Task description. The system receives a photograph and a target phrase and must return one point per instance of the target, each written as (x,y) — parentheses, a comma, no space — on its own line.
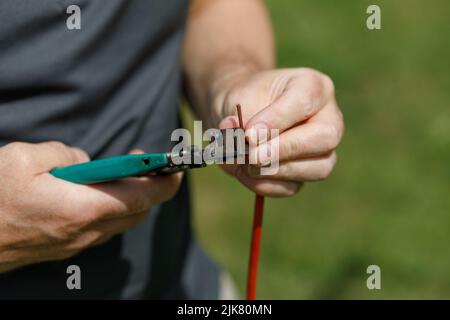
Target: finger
(303,96)
(112,227)
(104,231)
(229,122)
(96,234)
(23,256)
(136,151)
(53,154)
(91,203)
(319,136)
(134,195)
(304,170)
(267,187)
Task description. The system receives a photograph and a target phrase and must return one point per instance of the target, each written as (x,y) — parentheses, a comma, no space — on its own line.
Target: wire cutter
(134,165)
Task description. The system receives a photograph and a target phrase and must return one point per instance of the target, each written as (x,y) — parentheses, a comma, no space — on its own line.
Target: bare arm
(225,38)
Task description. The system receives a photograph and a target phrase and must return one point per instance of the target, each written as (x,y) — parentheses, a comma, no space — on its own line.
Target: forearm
(225,39)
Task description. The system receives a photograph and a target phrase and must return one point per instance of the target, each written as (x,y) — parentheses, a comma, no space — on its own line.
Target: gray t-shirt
(109,87)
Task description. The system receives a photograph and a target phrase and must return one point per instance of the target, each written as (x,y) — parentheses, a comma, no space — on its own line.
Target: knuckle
(308,72)
(310,92)
(328,83)
(62,149)
(17,146)
(290,148)
(327,168)
(286,150)
(331,137)
(314,76)
(307,103)
(235,95)
(18,152)
(56,144)
(59,233)
(319,79)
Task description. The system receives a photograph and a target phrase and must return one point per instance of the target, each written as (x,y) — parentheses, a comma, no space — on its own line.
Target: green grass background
(388,201)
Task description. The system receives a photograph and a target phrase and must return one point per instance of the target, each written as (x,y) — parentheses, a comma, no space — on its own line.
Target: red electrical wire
(254,248)
(256,235)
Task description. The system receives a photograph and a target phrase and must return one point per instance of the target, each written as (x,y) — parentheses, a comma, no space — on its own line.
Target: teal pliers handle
(114,168)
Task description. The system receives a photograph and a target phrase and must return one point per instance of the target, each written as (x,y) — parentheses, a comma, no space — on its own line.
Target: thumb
(53,154)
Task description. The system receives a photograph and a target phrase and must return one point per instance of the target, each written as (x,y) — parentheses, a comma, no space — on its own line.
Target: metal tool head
(227,146)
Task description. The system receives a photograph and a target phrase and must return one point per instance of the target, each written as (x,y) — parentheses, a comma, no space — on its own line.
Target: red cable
(256,234)
(255,246)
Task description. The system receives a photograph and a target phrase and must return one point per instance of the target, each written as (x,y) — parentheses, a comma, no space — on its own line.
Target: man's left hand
(301,104)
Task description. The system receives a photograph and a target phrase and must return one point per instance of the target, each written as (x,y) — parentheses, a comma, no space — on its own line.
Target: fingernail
(228,122)
(258,133)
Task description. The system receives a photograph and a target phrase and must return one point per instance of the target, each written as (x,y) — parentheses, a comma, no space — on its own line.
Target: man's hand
(228,58)
(301,104)
(43,218)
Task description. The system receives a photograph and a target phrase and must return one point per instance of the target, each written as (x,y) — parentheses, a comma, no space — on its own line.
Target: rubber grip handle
(110,169)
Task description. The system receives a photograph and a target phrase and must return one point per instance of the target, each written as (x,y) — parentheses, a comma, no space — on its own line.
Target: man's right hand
(43,218)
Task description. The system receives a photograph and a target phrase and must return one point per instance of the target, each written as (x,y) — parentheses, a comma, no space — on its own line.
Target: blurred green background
(388,201)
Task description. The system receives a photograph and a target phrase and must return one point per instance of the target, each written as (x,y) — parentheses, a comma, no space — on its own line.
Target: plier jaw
(192,156)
